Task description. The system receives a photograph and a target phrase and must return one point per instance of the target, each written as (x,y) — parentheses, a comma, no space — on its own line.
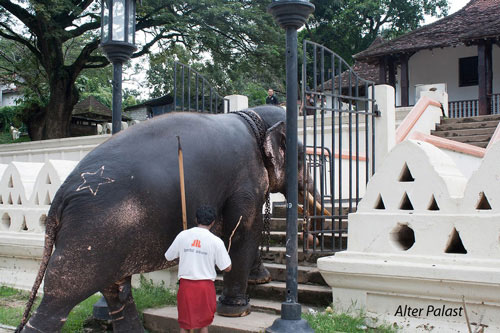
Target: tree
(61,38)
(350,26)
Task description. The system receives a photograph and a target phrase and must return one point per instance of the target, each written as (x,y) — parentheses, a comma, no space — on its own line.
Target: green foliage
(10,115)
(12,303)
(149,295)
(79,315)
(256,94)
(6,137)
(8,292)
(57,41)
(350,26)
(328,321)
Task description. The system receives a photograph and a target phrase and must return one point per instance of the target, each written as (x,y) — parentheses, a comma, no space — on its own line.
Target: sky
(454,6)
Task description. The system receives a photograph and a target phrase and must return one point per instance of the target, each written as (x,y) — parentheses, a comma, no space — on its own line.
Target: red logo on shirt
(196,243)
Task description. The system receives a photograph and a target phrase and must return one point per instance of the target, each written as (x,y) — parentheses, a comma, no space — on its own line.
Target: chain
(258,128)
(256,124)
(267,224)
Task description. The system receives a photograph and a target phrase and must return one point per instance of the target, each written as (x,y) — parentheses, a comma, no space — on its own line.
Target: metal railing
(193,92)
(341,105)
(470,108)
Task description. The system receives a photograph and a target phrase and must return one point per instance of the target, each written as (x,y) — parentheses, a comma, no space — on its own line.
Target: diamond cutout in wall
(19,201)
(483,203)
(405,175)
(380,203)
(48,181)
(24,227)
(433,205)
(10,202)
(455,244)
(406,203)
(11,182)
(1,200)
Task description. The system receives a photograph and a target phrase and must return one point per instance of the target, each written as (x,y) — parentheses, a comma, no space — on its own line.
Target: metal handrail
(203,90)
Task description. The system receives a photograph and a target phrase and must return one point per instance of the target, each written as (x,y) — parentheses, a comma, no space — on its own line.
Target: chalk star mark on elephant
(93,180)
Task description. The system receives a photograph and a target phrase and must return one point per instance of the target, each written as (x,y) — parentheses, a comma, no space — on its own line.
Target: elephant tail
(50,237)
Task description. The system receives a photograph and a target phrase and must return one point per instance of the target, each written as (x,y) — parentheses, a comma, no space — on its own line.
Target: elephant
(120,208)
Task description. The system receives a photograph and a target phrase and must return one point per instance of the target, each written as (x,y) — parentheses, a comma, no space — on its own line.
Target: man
(271,98)
(198,251)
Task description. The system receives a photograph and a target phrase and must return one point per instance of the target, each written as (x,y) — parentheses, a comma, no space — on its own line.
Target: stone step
(481,144)
(471,125)
(279,224)
(464,132)
(470,119)
(164,320)
(277,255)
(264,312)
(278,238)
(305,274)
(471,138)
(308,294)
(279,210)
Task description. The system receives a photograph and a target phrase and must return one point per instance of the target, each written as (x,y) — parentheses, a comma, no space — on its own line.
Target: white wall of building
(441,66)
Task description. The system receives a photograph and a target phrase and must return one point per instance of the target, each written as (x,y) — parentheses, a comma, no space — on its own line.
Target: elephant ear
(274,150)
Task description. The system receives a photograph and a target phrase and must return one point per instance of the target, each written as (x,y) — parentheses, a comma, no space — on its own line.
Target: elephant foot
(259,275)
(233,307)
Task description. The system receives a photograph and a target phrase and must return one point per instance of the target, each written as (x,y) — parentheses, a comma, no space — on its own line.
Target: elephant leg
(64,287)
(122,308)
(258,273)
(234,301)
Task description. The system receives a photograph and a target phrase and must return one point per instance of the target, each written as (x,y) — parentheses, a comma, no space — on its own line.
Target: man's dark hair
(205,215)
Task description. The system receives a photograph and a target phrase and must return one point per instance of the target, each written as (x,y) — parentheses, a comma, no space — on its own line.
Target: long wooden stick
(183,190)
(232,234)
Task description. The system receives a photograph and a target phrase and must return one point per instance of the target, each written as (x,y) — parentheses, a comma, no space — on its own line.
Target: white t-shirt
(198,251)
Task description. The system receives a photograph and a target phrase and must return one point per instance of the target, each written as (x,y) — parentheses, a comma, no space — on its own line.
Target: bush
(10,115)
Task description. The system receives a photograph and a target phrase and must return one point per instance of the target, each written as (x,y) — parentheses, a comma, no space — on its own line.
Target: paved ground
(165,320)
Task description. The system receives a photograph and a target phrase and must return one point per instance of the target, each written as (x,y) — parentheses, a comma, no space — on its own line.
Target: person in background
(271,97)
(198,251)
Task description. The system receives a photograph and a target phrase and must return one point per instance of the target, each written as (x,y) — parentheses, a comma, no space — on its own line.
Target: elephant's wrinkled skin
(120,209)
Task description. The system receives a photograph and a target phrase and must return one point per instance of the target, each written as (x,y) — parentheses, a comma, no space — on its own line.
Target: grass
(148,295)
(329,321)
(6,137)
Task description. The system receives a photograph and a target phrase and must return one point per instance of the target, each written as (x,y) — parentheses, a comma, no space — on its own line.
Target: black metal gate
(339,145)
(193,92)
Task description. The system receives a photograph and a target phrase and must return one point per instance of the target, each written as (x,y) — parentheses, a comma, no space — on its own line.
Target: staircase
(265,299)
(475,131)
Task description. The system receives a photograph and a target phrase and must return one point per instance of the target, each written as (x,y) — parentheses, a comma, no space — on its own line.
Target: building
(460,51)
(9,95)
(150,108)
(87,114)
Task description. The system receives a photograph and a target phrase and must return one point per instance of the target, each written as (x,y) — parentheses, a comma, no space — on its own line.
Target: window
(467,72)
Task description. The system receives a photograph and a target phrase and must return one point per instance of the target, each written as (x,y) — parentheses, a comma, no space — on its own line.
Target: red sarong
(196,303)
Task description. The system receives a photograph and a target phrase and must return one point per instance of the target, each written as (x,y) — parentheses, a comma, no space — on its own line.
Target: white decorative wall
(424,237)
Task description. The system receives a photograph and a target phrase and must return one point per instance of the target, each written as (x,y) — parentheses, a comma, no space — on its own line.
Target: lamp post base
(286,326)
(101,310)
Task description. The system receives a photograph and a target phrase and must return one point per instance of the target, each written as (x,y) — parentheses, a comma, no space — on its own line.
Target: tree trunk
(54,120)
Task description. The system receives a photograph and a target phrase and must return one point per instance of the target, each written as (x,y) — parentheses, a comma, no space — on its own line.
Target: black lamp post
(118,44)
(291,15)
